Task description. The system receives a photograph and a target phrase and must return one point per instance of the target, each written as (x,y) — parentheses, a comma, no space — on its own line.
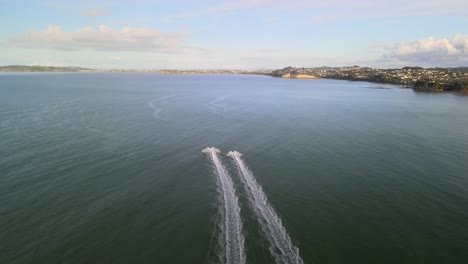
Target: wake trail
(157,110)
(281,246)
(215,104)
(232,238)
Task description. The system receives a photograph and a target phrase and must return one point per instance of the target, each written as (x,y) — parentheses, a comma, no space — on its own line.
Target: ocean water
(108,168)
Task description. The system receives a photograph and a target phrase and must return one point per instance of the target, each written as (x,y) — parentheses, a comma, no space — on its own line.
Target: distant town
(23,68)
(418,78)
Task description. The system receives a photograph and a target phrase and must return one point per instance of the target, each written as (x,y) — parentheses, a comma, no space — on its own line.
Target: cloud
(102,38)
(94,12)
(430,51)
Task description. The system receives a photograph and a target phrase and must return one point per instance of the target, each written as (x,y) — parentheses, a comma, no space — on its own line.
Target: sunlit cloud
(438,51)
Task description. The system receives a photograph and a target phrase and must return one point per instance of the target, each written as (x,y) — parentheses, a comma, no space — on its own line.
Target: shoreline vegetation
(417,78)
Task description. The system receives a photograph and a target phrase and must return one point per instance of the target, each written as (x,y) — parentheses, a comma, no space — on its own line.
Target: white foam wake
(232,240)
(157,110)
(281,245)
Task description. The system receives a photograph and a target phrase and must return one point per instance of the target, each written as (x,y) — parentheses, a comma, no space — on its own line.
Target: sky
(236,34)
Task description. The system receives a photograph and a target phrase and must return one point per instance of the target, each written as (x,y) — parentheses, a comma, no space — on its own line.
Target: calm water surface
(108,168)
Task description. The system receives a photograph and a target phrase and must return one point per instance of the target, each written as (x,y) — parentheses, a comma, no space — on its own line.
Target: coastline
(440,80)
(418,78)
(298,76)
(406,86)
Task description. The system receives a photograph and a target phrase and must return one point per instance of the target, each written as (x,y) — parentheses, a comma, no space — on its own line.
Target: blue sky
(243,34)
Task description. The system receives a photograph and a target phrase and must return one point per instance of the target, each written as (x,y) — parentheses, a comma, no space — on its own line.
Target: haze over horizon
(242,34)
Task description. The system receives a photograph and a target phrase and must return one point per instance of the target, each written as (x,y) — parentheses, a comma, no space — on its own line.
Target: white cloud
(431,51)
(102,38)
(94,12)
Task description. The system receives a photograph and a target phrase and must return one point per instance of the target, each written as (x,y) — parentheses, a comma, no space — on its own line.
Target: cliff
(293,73)
(420,79)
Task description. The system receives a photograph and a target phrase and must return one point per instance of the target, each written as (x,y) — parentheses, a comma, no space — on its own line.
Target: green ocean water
(108,168)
